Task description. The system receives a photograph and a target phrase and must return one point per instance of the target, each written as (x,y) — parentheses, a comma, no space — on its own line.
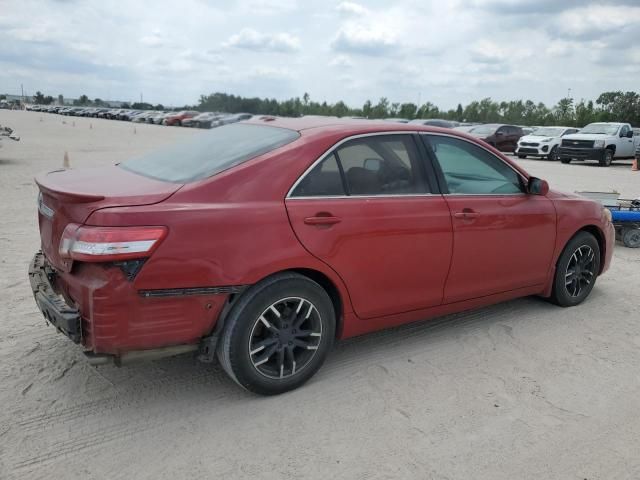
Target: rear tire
(522,156)
(553,154)
(576,271)
(607,158)
(278,334)
(566,161)
(631,237)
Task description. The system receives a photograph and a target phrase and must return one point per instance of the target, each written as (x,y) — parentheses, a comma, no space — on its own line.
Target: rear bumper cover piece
(53,306)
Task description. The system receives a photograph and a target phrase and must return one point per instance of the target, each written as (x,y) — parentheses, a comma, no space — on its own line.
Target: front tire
(607,158)
(278,334)
(631,237)
(565,161)
(576,270)
(522,156)
(553,154)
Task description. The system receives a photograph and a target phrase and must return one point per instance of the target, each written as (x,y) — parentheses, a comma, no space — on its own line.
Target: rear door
(503,238)
(369,210)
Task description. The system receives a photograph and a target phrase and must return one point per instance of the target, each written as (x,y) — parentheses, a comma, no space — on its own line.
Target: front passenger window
(471,170)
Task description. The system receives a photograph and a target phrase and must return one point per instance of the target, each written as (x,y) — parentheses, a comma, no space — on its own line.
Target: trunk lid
(70,196)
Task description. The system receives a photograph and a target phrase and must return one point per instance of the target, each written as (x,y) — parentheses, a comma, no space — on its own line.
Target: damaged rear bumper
(53,306)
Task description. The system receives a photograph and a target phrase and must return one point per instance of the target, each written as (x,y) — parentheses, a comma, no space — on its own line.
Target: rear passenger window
(323,181)
(381,165)
(375,165)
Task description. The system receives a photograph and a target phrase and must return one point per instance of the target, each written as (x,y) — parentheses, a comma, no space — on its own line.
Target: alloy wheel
(580,270)
(285,337)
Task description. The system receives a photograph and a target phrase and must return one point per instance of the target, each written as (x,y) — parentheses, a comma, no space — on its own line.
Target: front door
(366,210)
(503,237)
(626,144)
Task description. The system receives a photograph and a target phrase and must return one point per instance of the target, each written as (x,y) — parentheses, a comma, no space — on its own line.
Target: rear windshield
(211,152)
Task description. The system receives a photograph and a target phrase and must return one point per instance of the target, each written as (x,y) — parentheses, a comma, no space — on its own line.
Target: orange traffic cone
(634,165)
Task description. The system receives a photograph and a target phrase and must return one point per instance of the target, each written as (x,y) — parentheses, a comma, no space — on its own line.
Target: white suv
(543,142)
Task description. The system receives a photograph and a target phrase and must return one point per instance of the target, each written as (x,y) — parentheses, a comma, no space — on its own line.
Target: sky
(446,52)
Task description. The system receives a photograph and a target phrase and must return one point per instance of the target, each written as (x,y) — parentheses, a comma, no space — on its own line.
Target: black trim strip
(183,292)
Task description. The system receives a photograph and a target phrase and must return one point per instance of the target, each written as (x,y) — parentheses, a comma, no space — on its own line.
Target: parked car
(236,117)
(155,115)
(99,111)
(465,128)
(602,141)
(396,120)
(159,120)
(543,142)
(436,122)
(351,230)
(129,115)
(176,118)
(203,120)
(503,137)
(142,117)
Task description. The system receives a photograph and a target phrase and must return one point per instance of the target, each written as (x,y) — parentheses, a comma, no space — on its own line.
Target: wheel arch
(611,147)
(602,244)
(328,285)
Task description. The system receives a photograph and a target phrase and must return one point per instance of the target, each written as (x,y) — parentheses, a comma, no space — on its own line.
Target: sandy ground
(521,390)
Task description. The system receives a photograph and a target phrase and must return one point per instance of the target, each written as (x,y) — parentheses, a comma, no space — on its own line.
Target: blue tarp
(625,215)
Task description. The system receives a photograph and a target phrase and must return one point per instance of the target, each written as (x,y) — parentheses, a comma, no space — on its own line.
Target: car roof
(348,125)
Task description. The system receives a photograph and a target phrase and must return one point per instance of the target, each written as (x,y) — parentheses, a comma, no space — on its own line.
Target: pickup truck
(602,141)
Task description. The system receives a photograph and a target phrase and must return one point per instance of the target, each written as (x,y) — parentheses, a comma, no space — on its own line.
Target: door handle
(322,220)
(466,214)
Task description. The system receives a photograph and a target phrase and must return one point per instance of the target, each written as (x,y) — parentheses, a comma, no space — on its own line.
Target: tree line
(608,107)
(615,106)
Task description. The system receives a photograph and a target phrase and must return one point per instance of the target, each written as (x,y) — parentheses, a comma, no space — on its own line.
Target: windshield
(548,132)
(210,153)
(483,129)
(600,128)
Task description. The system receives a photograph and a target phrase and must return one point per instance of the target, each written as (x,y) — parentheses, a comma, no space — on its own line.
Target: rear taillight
(109,244)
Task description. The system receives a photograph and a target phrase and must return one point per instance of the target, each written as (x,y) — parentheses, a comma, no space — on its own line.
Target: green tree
(408,110)
(83,100)
(38,98)
(381,110)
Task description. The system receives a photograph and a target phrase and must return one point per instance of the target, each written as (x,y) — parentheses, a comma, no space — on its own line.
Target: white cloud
(366,39)
(351,8)
(251,39)
(153,39)
(341,61)
(595,21)
(351,50)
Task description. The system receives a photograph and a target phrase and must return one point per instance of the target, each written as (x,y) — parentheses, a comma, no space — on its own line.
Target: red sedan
(179,117)
(263,242)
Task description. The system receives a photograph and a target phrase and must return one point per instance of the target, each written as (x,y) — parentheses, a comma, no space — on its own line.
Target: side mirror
(630,134)
(537,186)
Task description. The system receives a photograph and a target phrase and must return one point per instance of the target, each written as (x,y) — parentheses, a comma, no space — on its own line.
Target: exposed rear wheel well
(326,283)
(318,277)
(596,232)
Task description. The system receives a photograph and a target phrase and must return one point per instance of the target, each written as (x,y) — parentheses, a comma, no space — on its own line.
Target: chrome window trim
(330,150)
(522,177)
(344,197)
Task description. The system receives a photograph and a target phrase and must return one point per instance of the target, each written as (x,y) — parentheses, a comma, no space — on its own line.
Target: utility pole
(569,93)
(140,97)
(22,93)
